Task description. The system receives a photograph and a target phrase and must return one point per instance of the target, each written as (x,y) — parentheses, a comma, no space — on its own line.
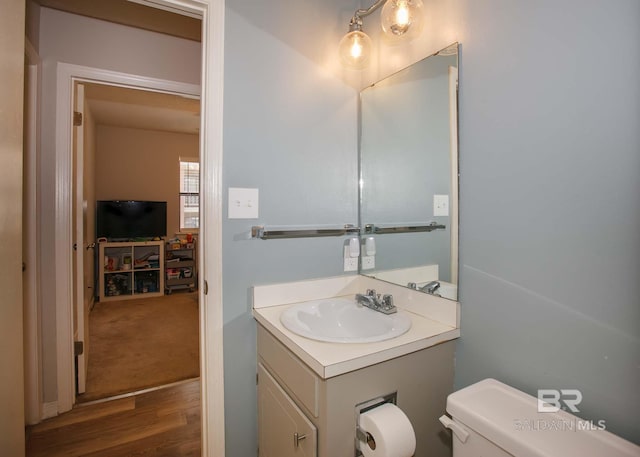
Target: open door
(80,246)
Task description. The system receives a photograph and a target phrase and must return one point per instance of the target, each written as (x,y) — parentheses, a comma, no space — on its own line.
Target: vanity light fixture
(400,18)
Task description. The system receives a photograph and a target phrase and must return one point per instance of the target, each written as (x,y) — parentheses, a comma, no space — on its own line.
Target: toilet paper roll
(391,430)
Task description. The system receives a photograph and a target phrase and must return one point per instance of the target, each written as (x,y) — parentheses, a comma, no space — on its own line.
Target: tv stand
(130,269)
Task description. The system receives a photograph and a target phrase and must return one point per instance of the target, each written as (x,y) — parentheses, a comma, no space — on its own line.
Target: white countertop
(333,359)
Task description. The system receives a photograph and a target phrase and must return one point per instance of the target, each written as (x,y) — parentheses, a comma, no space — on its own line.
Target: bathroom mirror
(409,176)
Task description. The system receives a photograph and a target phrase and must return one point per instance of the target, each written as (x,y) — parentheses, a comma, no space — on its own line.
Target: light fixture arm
(356,21)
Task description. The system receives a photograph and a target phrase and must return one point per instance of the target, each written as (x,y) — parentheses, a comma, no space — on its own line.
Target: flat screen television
(126,220)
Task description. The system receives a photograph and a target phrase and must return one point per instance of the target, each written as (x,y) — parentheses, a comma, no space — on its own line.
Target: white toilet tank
(491,419)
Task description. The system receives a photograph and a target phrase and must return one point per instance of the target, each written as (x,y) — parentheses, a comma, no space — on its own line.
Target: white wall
(84,41)
(12,31)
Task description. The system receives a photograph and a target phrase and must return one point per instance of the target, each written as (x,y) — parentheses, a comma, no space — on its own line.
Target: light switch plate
(243,203)
(440,205)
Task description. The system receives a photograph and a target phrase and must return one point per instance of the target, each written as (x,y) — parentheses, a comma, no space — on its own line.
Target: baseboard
(49,410)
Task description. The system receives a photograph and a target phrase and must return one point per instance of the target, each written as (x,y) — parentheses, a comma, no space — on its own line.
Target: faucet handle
(371,292)
(387,299)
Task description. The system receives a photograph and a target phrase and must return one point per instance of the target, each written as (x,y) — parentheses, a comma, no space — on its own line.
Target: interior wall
(136,164)
(550,199)
(12,32)
(549,196)
(290,131)
(32,23)
(89,42)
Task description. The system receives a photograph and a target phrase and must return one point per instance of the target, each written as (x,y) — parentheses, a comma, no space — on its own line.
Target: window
(189,194)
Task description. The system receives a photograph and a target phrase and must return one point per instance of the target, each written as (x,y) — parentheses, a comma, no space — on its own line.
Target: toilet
(492,419)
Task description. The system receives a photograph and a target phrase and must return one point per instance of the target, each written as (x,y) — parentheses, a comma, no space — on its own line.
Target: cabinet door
(283,429)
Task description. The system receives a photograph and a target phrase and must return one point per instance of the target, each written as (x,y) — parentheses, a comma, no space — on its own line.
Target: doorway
(210,275)
(130,147)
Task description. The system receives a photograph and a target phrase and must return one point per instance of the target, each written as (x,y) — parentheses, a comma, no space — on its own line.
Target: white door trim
(78,254)
(210,246)
(64,225)
(31,280)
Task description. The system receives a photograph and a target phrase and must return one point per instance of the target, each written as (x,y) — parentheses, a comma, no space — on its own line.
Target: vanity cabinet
(292,399)
(284,429)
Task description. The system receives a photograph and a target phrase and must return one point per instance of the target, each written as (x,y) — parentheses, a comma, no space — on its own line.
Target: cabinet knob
(297,438)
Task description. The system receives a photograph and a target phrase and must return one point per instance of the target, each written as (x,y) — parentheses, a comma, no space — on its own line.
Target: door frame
(210,245)
(79,246)
(31,230)
(67,76)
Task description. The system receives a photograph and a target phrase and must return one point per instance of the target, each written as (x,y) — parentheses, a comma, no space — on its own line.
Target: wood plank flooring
(164,422)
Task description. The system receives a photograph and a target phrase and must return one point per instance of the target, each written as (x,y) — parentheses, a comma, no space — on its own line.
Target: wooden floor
(164,422)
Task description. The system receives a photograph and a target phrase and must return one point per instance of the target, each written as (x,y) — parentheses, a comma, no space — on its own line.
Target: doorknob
(91,246)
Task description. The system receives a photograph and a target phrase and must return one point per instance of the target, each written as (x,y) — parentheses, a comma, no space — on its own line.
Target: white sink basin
(341,320)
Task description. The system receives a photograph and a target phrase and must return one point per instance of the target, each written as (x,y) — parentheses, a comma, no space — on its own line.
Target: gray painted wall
(290,131)
(550,201)
(550,198)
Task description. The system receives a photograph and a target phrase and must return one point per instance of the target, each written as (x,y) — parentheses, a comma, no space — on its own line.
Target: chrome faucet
(429,288)
(373,301)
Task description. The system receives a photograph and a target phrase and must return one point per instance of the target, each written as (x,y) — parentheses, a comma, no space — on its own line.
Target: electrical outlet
(440,205)
(368,262)
(350,263)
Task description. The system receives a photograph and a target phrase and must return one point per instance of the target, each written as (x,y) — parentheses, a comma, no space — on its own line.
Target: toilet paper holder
(365,438)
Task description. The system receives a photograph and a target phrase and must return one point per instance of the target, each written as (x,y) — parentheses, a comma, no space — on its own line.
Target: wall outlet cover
(440,205)
(368,262)
(351,264)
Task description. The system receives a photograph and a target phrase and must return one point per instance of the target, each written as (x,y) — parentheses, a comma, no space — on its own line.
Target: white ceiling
(129,13)
(139,109)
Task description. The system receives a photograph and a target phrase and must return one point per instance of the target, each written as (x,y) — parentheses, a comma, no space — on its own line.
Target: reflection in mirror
(409,176)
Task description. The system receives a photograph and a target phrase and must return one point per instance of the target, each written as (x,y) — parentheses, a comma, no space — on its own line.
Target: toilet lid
(510,419)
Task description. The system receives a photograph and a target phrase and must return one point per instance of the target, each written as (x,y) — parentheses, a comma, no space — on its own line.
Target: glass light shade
(402,18)
(355,49)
